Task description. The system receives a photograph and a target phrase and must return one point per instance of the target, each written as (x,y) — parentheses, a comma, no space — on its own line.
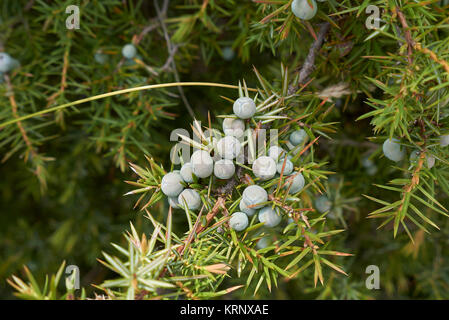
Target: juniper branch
(14,108)
(172,51)
(309,63)
(408,36)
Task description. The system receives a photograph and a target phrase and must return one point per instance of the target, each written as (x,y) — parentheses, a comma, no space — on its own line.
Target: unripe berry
(101,58)
(370,166)
(244,107)
(244,207)
(323,204)
(233,127)
(190,198)
(186,172)
(263,243)
(276,153)
(269,217)
(304,9)
(173,202)
(254,194)
(202,164)
(297,182)
(393,150)
(171,184)
(238,221)
(444,140)
(6,62)
(367,162)
(229,147)
(287,169)
(129,51)
(264,168)
(297,137)
(430,162)
(224,169)
(294,150)
(228,53)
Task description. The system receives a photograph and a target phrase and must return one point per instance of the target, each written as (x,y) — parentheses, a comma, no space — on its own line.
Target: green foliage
(360,88)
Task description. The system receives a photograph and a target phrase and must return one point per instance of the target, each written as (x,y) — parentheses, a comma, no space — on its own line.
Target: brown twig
(198,227)
(231,184)
(14,108)
(412,44)
(309,63)
(63,85)
(433,56)
(407,34)
(172,50)
(152,26)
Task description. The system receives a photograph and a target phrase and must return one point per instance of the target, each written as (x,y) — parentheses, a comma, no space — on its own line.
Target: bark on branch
(309,63)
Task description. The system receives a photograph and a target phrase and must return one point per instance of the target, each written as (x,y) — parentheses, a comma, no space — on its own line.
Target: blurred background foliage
(62,195)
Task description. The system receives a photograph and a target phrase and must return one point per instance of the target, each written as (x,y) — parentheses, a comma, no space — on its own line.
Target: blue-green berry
(444,140)
(171,184)
(6,62)
(270,217)
(244,107)
(263,242)
(393,150)
(298,137)
(253,195)
(229,147)
(304,9)
(228,53)
(264,168)
(244,208)
(323,204)
(430,161)
(190,198)
(238,221)
(276,153)
(186,172)
(287,169)
(173,202)
(101,58)
(297,182)
(369,166)
(224,169)
(367,162)
(202,164)
(129,51)
(233,127)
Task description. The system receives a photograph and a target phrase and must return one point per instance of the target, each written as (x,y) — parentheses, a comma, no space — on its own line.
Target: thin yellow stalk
(118,92)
